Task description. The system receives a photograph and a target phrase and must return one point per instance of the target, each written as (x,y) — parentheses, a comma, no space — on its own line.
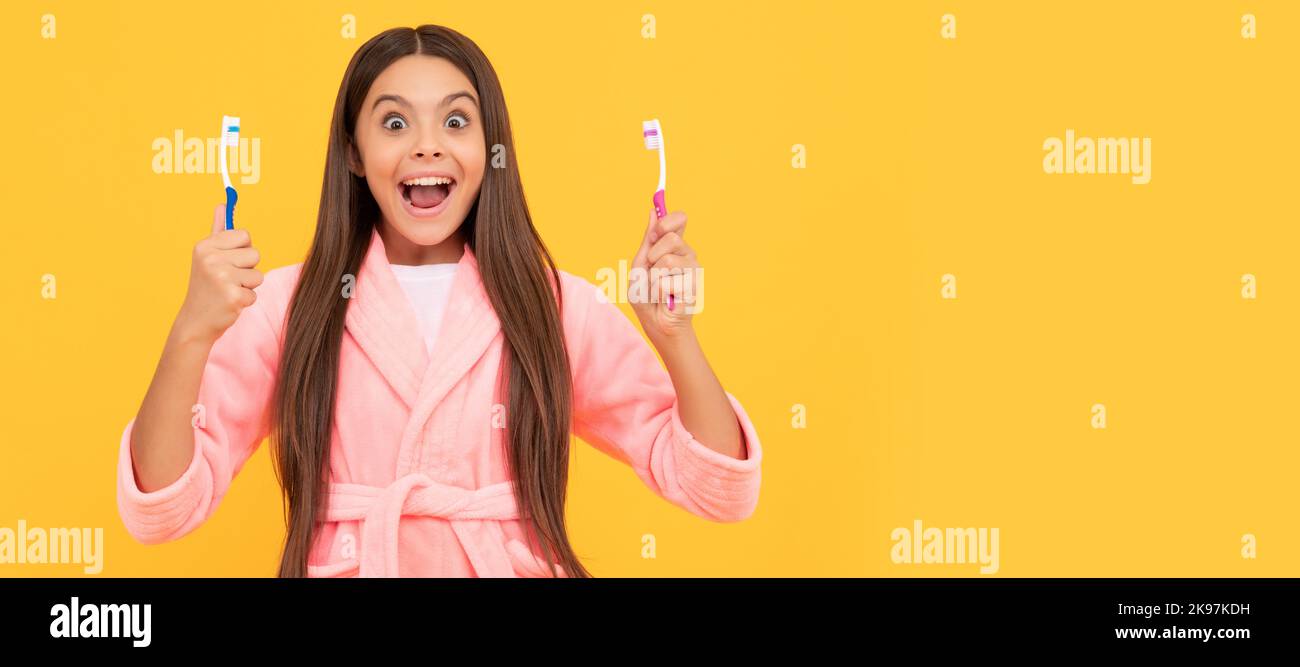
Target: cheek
(473,154)
(472,163)
(476,163)
(381,169)
(383,158)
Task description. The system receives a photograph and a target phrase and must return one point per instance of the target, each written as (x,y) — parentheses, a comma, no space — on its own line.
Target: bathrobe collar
(382,320)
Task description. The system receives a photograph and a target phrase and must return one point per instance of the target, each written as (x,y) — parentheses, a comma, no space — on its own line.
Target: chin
(429,234)
(424,233)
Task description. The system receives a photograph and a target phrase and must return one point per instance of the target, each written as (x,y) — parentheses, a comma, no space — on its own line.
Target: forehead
(423,80)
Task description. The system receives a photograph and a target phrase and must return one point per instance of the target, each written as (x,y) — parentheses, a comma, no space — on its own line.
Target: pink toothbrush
(654,140)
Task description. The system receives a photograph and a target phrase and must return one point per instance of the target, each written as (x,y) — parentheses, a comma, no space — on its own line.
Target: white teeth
(428,180)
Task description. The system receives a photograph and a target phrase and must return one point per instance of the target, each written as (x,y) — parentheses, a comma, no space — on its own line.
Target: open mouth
(426,195)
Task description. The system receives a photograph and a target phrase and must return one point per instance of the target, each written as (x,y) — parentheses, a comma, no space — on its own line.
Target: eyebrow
(445,101)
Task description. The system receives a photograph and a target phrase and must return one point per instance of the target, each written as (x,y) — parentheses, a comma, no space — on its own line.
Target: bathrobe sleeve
(234,394)
(625,406)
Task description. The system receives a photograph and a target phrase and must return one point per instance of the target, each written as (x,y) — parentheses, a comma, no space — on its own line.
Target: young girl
(420,373)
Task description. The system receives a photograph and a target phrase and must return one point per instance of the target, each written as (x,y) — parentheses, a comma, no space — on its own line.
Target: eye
(461,115)
(392,117)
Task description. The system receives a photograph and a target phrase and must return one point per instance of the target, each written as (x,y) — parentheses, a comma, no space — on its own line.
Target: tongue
(427,196)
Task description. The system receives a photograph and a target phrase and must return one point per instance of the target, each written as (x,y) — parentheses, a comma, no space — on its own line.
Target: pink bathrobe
(418,471)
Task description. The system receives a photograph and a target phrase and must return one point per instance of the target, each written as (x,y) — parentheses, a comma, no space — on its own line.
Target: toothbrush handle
(231,198)
(661,209)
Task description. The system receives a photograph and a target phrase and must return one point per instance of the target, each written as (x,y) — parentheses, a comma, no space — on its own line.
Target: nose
(427,145)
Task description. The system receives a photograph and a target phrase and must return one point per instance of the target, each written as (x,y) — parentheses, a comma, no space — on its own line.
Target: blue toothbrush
(229,137)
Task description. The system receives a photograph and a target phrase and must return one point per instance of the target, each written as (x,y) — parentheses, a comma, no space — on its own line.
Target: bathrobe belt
(473,513)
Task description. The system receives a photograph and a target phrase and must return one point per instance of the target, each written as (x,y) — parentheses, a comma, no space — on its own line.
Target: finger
(249,278)
(219,218)
(244,258)
(673,222)
(680,287)
(644,250)
(669,244)
(671,263)
(650,234)
(229,239)
(676,285)
(246,298)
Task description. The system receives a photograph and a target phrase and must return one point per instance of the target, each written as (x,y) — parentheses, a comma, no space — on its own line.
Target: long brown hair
(520,279)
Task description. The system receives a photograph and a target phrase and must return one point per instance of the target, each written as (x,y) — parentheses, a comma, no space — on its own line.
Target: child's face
(410,124)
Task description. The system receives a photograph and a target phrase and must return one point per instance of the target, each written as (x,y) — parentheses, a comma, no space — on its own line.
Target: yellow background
(823,285)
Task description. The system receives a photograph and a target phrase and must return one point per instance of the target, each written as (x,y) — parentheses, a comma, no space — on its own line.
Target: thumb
(652,232)
(643,252)
(219,219)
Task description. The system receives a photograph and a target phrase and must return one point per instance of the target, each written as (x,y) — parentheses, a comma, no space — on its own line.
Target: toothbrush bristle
(653,137)
(230,130)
